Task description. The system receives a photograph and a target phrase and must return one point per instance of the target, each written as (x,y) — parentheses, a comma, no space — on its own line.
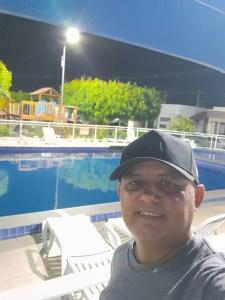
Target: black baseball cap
(160,146)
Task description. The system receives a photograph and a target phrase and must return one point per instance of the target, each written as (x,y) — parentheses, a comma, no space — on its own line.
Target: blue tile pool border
(57,149)
(14,232)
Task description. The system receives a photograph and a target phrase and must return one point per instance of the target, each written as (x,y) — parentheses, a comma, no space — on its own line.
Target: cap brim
(122,169)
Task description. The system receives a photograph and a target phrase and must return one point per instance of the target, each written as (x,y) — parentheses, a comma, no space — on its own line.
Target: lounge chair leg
(47,245)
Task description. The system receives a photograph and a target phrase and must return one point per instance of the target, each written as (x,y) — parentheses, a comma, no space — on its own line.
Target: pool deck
(21,262)
(61,142)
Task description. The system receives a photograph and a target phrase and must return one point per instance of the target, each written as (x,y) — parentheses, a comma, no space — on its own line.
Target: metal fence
(18,130)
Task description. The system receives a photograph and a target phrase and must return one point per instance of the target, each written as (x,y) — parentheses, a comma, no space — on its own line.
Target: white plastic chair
(49,135)
(210,225)
(81,246)
(116,232)
(62,286)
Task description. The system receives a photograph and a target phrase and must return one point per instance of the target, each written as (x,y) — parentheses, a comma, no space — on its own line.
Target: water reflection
(38,182)
(89,173)
(4,182)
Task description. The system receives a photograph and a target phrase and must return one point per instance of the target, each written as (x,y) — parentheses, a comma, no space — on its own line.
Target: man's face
(158,203)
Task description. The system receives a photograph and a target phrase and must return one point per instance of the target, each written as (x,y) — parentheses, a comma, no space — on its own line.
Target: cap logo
(161,147)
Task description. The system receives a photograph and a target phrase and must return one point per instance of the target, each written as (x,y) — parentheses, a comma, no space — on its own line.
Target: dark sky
(32,51)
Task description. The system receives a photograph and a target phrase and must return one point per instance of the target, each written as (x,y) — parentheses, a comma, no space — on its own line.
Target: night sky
(32,51)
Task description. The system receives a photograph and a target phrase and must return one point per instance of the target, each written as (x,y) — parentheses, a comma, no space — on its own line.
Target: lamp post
(72,37)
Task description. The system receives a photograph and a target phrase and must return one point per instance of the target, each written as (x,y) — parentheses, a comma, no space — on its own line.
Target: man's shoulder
(215,261)
(204,278)
(206,255)
(212,276)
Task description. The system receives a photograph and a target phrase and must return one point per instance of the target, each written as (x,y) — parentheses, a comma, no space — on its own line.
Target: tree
(100,101)
(182,124)
(5,80)
(5,84)
(20,95)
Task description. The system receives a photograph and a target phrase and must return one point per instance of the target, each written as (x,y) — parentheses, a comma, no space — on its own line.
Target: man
(159,191)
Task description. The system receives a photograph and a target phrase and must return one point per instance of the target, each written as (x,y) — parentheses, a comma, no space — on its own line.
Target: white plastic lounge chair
(49,135)
(57,287)
(75,236)
(210,225)
(81,246)
(116,232)
(79,265)
(130,131)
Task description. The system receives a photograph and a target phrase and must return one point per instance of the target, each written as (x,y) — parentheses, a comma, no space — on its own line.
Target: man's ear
(199,195)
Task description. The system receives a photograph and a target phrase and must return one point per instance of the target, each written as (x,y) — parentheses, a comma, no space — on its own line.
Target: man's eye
(134,185)
(170,186)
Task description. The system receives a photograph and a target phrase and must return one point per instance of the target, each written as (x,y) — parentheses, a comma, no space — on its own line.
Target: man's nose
(151,192)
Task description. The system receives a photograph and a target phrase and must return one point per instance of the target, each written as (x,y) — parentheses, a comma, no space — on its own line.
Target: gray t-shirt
(196,273)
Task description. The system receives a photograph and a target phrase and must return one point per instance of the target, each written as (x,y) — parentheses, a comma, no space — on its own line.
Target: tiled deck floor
(22,262)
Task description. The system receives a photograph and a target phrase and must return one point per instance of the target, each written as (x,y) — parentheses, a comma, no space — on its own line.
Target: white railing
(19,129)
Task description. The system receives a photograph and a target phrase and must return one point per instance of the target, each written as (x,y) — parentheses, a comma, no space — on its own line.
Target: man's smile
(150,214)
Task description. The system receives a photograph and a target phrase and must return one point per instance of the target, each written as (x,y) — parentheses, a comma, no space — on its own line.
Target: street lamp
(72,37)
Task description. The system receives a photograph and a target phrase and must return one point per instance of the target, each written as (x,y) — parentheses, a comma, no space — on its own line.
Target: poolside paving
(61,142)
(21,262)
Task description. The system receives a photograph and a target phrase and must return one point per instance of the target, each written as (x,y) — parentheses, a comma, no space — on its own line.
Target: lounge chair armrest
(110,235)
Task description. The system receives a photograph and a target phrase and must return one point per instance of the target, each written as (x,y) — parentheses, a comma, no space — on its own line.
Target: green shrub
(121,133)
(4,130)
(102,133)
(33,131)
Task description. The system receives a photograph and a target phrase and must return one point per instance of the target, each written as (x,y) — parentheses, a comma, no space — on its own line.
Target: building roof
(46,91)
(209,114)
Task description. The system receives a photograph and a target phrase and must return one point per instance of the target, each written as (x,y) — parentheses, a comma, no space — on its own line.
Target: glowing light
(72,35)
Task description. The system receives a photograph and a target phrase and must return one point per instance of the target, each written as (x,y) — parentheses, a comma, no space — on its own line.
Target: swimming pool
(211,166)
(210,155)
(48,181)
(34,182)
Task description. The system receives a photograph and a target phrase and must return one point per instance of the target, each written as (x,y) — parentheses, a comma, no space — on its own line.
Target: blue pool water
(211,166)
(38,182)
(211,155)
(42,181)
